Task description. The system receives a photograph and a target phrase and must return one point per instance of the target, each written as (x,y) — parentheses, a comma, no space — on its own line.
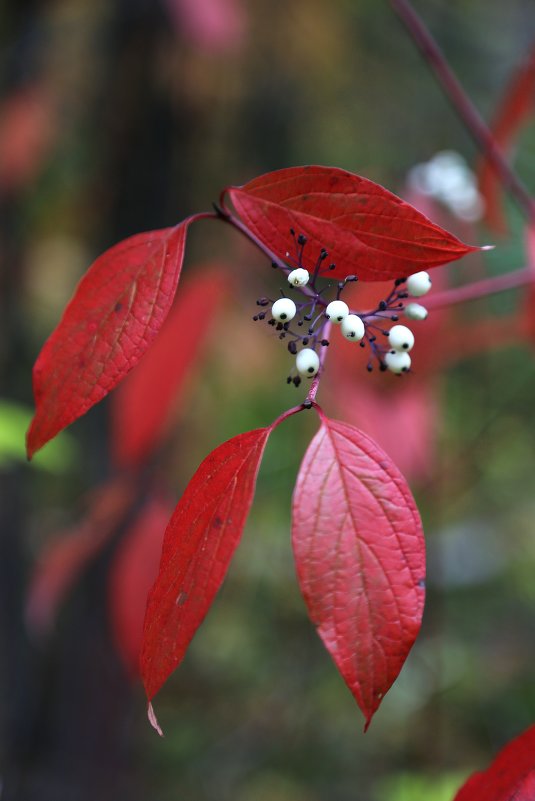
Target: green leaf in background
(416,787)
(14,421)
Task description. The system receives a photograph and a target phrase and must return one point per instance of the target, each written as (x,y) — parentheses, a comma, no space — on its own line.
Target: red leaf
(61,563)
(116,312)
(366,229)
(360,558)
(198,545)
(515,109)
(142,404)
(132,574)
(511,777)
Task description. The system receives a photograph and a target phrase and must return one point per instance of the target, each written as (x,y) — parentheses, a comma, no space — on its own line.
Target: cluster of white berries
(352,326)
(401,341)
(418,284)
(401,338)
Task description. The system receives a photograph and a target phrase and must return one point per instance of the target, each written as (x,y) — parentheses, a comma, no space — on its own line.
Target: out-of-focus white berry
(283,310)
(352,327)
(401,338)
(298,277)
(418,284)
(336,311)
(397,361)
(448,178)
(307,362)
(415,312)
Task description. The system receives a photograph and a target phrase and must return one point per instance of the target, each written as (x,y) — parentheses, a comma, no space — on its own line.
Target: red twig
(313,391)
(481,289)
(225,215)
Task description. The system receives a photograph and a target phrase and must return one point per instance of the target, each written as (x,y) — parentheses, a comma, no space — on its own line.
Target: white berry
(418,284)
(336,311)
(307,362)
(401,338)
(298,277)
(352,327)
(397,361)
(414,311)
(283,310)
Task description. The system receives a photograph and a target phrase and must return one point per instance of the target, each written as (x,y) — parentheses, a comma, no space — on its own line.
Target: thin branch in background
(463,105)
(481,289)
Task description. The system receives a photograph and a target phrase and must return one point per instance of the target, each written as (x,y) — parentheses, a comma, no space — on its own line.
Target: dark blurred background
(126,115)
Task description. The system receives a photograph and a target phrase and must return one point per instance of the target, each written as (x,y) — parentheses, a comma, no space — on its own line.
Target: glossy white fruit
(397,361)
(307,362)
(283,310)
(401,338)
(414,311)
(418,284)
(298,277)
(336,311)
(352,327)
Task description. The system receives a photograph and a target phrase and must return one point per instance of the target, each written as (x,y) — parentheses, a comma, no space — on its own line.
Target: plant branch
(481,289)
(313,391)
(463,105)
(225,215)
(284,416)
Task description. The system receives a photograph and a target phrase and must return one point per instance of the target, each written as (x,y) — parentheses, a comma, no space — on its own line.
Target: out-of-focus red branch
(463,105)
(481,289)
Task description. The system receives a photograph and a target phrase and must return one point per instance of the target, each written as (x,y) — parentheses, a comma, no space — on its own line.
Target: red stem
(284,416)
(288,413)
(200,215)
(313,391)
(481,289)
(463,105)
(225,215)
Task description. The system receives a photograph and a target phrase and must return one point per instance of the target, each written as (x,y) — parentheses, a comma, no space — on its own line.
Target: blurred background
(126,115)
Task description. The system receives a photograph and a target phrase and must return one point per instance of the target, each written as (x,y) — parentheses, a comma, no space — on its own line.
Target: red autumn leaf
(113,317)
(360,558)
(142,404)
(365,229)
(516,108)
(132,574)
(62,562)
(199,543)
(511,777)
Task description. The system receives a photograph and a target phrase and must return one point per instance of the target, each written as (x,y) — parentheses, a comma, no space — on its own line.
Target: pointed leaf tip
(153,720)
(360,558)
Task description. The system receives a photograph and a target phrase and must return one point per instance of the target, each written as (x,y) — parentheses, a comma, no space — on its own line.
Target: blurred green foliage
(14,422)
